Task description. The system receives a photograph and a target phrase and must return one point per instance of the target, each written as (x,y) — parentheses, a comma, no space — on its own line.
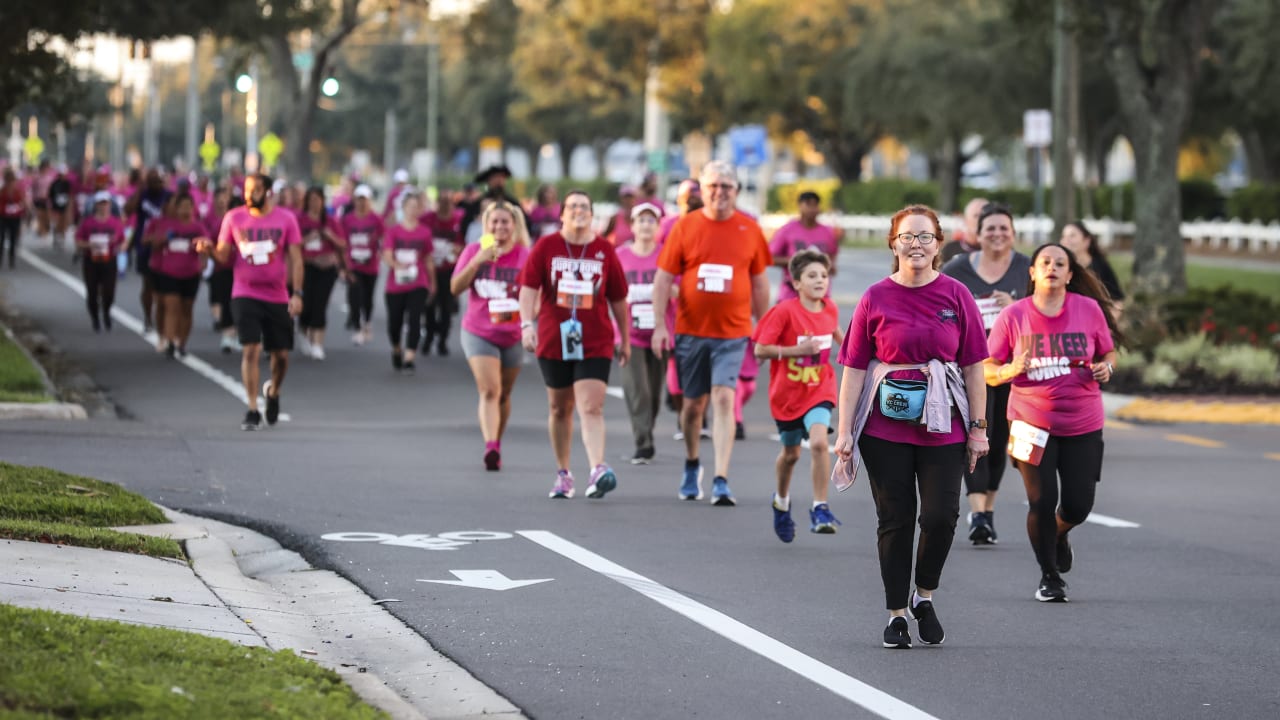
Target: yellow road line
(1273,456)
(1193,440)
(1185,411)
(1119,424)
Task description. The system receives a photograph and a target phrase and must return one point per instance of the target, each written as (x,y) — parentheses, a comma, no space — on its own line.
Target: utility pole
(151,121)
(657,128)
(1064,125)
(433,103)
(251,121)
(193,106)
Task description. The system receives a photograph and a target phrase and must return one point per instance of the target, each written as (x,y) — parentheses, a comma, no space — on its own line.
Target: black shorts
(169,285)
(560,374)
(263,322)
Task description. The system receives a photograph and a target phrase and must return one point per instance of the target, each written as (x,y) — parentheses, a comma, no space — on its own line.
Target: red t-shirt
(554,261)
(799,384)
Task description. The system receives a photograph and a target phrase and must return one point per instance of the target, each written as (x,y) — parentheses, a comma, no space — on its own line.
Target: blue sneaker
(691,488)
(783,526)
(822,521)
(602,481)
(720,494)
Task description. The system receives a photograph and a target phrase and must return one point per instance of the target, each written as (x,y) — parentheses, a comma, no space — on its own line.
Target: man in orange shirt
(721,256)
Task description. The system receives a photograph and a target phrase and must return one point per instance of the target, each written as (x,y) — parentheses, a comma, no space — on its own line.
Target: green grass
(57,665)
(46,505)
(1263,282)
(20,381)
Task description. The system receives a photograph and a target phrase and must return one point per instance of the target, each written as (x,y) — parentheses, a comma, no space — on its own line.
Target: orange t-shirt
(716,259)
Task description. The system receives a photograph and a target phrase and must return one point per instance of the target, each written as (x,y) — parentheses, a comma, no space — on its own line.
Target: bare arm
(759,295)
(975,387)
(622,316)
(850,394)
(464,276)
(528,313)
(996,373)
(662,286)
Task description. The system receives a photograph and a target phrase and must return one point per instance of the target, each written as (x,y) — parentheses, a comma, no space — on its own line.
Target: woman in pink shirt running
(1055,347)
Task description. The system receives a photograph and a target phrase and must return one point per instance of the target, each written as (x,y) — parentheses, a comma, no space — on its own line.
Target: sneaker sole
(898,646)
(1045,599)
(603,485)
(682,496)
(980,536)
(641,461)
(723,501)
(560,496)
(823,530)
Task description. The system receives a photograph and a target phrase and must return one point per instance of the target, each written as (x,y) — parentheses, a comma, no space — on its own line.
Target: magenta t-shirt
(261,256)
(314,242)
(900,325)
(364,241)
(105,237)
(640,271)
(498,280)
(177,256)
(1051,394)
(794,237)
(409,247)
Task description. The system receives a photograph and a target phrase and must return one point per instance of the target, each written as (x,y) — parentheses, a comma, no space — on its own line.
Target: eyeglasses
(721,186)
(925,238)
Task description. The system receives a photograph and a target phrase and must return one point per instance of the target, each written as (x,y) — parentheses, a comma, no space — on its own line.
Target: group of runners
(946,368)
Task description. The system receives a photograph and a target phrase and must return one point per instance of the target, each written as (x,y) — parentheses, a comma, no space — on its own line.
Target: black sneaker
(643,456)
(426,345)
(409,367)
(397,360)
(898,634)
(106,321)
(97,324)
(929,629)
(442,348)
(181,351)
(990,516)
(979,533)
(1066,556)
(170,350)
(273,403)
(252,420)
(739,432)
(1052,589)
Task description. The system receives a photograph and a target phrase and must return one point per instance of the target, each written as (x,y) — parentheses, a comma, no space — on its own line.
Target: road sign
(1037,128)
(34,148)
(270,146)
(748,141)
(486,580)
(209,152)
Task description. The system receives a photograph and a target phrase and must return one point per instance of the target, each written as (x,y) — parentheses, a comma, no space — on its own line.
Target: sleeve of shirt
(82,232)
(1000,341)
(615,278)
(1103,343)
(672,257)
(533,274)
(465,258)
(224,232)
(859,347)
(769,329)
(973,337)
(292,235)
(780,244)
(762,259)
(117,230)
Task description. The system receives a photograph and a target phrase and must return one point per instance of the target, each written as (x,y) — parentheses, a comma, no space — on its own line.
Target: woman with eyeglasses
(1055,348)
(913,406)
(996,275)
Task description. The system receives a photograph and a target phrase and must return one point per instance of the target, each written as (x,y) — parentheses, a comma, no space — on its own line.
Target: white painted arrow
(486,580)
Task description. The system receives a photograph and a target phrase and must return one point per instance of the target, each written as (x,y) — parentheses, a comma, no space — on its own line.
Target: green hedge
(1255,202)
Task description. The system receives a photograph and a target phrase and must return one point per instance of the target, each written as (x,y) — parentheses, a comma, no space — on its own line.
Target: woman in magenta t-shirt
(99,238)
(323,253)
(175,268)
(642,378)
(916,316)
(1055,347)
(489,272)
(406,250)
(363,230)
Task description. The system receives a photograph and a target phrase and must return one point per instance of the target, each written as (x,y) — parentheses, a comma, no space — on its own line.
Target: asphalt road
(656,608)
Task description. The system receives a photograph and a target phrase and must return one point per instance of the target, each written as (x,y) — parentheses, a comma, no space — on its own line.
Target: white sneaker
(317,352)
(358,338)
(304,345)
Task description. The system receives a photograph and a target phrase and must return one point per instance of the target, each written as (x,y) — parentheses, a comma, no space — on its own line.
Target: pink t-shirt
(177,256)
(448,241)
(794,237)
(498,280)
(545,220)
(411,247)
(364,241)
(900,325)
(1051,394)
(261,252)
(105,237)
(664,227)
(621,229)
(640,271)
(314,242)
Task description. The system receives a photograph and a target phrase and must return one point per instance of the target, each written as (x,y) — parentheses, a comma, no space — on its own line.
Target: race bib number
(1026,442)
(407,257)
(715,278)
(823,344)
(313,243)
(640,293)
(360,240)
(408,273)
(361,254)
(443,253)
(642,316)
(257,252)
(990,310)
(99,245)
(180,245)
(575,294)
(503,311)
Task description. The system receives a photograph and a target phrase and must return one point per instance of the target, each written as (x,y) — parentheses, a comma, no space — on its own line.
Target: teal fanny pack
(903,399)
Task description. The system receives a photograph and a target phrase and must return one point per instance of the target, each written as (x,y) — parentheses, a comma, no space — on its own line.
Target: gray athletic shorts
(703,362)
(475,346)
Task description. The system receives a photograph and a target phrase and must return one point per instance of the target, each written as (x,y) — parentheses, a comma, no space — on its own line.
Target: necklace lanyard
(573,312)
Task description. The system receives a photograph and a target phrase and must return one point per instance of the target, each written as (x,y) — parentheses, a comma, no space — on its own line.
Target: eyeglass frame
(916,238)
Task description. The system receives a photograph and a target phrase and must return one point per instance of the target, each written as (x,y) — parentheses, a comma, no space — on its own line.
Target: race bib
(61,199)
(1026,442)
(313,243)
(443,253)
(361,255)
(257,252)
(642,316)
(504,310)
(822,342)
(715,278)
(575,294)
(407,257)
(99,245)
(990,310)
(180,245)
(359,240)
(640,293)
(407,275)
(13,209)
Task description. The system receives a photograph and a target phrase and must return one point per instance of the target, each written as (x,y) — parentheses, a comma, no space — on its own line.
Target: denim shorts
(704,362)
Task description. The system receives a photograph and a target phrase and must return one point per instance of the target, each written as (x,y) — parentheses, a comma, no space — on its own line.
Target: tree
(1153,51)
(1247,67)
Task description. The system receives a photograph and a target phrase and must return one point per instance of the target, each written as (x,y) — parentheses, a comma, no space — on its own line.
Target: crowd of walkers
(950,372)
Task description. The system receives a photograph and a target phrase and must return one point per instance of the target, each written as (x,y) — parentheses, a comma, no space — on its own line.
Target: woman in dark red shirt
(576,276)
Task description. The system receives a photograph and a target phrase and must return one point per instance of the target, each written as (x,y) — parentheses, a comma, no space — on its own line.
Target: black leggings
(99,287)
(896,470)
(1076,461)
(10,230)
(990,469)
(412,303)
(220,283)
(360,299)
(317,286)
(441,308)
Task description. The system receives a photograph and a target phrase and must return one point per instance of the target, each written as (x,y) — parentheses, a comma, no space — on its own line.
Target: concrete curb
(42,411)
(1167,410)
(328,619)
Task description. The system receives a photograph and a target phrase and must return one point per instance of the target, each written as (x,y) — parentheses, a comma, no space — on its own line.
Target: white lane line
(129,322)
(1109,521)
(847,687)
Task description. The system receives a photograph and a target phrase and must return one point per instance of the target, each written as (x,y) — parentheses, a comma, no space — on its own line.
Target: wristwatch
(978,424)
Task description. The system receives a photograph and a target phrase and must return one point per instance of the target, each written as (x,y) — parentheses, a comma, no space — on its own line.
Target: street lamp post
(250,88)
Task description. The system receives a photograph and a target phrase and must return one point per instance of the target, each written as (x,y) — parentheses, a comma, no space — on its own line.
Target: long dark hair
(1095,251)
(1084,283)
(316,191)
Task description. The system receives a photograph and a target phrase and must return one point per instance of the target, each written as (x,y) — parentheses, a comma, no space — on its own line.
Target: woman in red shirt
(576,276)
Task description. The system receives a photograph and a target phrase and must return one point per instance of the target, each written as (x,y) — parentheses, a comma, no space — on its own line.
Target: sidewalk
(243,587)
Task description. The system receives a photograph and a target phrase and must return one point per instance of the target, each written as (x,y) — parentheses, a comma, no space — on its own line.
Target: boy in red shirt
(797,335)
